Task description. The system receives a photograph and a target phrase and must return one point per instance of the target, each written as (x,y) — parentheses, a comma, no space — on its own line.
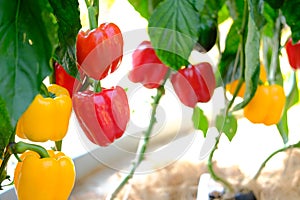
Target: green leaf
(145,7)
(226,65)
(283,128)
(208,28)
(200,121)
(223,14)
(292,93)
(256,12)
(227,125)
(173,30)
(236,8)
(292,17)
(28,40)
(252,63)
(67,15)
(270,15)
(6,130)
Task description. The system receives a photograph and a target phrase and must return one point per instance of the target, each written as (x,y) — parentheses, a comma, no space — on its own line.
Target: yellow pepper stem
(21,147)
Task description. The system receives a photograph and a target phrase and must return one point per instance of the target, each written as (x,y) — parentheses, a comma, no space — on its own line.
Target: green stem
(211,169)
(44,90)
(273,154)
(97,86)
(142,147)
(242,63)
(21,147)
(92,18)
(58,145)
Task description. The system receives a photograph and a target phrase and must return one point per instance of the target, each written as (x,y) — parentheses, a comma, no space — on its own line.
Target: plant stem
(58,145)
(142,147)
(242,63)
(21,147)
(273,154)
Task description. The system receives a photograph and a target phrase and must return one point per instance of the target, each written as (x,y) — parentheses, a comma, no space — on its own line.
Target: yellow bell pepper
(231,87)
(267,105)
(46,118)
(50,178)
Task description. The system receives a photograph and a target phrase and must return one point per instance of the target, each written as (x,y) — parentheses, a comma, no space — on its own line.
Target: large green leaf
(145,7)
(229,56)
(28,32)
(67,15)
(256,12)
(226,65)
(252,63)
(6,130)
(292,17)
(173,30)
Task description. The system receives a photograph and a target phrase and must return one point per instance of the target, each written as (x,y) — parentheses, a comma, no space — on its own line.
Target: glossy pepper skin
(64,79)
(46,118)
(231,87)
(194,84)
(99,51)
(50,178)
(147,68)
(103,116)
(293,53)
(267,105)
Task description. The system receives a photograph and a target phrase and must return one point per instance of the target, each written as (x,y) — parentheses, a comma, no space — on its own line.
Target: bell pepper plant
(99,51)
(47,118)
(28,51)
(195,83)
(293,53)
(103,116)
(47,178)
(147,69)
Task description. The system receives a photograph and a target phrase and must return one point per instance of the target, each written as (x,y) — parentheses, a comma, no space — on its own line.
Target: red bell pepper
(64,79)
(293,53)
(99,51)
(194,84)
(147,68)
(103,116)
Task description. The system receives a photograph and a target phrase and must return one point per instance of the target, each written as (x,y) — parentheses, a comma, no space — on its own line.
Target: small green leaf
(227,125)
(283,128)
(256,12)
(252,62)
(292,16)
(145,7)
(200,121)
(6,130)
(173,30)
(67,15)
(292,98)
(223,14)
(28,32)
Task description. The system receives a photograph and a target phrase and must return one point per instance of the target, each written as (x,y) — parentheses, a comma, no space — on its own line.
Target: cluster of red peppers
(192,84)
(103,115)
